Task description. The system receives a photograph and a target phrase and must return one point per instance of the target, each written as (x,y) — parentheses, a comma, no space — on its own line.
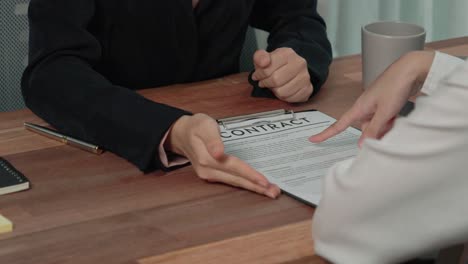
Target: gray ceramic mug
(385,42)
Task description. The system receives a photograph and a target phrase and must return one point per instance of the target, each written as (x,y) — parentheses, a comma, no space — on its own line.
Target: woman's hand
(197,137)
(379,105)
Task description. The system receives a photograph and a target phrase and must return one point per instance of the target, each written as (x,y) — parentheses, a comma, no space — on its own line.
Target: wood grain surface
(85,208)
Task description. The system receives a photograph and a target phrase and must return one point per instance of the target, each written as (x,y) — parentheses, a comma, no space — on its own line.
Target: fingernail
(271,194)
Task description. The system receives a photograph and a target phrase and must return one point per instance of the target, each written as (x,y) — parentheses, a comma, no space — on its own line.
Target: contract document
(276,144)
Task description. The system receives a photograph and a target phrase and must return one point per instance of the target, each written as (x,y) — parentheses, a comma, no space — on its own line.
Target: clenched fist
(285,73)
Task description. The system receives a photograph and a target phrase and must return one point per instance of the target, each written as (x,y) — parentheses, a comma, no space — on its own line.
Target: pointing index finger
(339,126)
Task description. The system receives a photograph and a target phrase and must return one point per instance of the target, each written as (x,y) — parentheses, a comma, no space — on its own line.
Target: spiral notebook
(11,180)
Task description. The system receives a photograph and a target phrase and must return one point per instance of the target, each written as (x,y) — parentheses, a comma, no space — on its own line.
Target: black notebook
(11,180)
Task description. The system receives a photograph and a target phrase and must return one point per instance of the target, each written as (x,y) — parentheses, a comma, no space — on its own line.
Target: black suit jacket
(87,57)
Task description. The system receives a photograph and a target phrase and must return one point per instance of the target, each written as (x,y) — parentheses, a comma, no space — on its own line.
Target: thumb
(216,149)
(212,140)
(261,59)
(336,128)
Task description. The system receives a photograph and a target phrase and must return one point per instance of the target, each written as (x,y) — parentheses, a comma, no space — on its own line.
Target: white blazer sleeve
(406,194)
(442,66)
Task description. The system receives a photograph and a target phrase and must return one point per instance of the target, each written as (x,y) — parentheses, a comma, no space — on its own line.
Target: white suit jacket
(407,193)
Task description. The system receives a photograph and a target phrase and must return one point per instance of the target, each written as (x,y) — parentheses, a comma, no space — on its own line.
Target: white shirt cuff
(442,65)
(169,160)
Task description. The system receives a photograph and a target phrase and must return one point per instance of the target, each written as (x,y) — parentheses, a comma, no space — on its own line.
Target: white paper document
(281,151)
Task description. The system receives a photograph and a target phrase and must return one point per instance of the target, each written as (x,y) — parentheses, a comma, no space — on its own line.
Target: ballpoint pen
(63,138)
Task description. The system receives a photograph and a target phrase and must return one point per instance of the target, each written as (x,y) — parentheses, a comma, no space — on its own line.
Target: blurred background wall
(442,19)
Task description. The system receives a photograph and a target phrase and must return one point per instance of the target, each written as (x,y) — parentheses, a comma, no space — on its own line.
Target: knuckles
(282,96)
(275,80)
(204,161)
(201,122)
(302,62)
(204,174)
(286,51)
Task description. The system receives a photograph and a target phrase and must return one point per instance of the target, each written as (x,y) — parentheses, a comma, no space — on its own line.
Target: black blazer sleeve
(62,86)
(297,25)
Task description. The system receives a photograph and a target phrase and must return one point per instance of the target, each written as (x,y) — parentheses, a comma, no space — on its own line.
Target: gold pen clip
(256,119)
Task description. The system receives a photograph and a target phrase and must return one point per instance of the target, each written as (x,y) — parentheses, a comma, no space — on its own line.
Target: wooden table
(85,208)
